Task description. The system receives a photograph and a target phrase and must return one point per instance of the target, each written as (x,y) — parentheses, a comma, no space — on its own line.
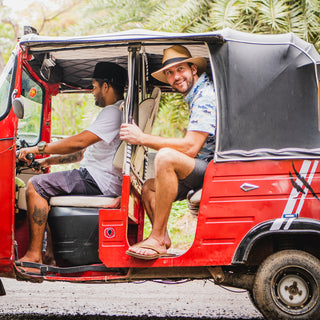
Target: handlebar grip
(30,156)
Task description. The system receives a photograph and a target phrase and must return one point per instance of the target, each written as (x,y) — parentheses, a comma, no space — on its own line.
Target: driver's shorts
(70,182)
(193,181)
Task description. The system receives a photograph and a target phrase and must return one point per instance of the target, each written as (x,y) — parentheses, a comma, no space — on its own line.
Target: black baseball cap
(111,72)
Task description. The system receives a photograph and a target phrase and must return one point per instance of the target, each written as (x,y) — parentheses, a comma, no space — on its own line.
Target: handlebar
(33,165)
(30,156)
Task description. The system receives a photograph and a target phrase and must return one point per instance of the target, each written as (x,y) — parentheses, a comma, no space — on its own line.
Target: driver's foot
(29,257)
(49,260)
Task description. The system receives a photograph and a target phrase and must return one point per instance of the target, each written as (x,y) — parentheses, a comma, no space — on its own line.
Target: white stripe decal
(277,224)
(294,196)
(313,170)
(288,224)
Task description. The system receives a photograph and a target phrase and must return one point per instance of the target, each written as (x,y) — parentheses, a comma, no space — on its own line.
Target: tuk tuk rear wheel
(287,286)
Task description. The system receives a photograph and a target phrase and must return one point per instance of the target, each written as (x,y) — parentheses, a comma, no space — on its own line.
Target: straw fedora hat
(175,55)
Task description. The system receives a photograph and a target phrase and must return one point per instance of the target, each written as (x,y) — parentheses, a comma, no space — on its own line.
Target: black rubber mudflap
(2,290)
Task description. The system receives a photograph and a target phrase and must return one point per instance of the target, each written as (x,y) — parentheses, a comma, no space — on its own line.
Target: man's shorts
(193,181)
(71,182)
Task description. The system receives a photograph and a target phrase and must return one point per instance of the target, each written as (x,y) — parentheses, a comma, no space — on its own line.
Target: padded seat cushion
(85,201)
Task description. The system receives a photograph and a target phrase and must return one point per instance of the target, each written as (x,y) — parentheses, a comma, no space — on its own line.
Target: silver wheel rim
(294,290)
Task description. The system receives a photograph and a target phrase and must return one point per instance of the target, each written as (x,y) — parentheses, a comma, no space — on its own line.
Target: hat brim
(200,62)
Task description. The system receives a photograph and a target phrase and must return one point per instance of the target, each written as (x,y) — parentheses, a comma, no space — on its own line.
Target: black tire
(287,286)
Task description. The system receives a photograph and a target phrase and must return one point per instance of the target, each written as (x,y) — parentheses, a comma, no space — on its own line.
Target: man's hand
(131,133)
(44,163)
(23,152)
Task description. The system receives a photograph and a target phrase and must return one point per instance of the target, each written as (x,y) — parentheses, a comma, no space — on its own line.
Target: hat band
(173,60)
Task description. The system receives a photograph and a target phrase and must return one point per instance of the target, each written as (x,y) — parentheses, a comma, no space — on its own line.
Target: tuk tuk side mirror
(18,107)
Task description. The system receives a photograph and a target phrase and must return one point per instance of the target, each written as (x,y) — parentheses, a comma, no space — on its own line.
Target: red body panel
(227,213)
(7,194)
(8,131)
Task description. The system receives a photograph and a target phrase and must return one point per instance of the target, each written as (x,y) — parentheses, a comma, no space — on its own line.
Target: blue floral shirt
(203,114)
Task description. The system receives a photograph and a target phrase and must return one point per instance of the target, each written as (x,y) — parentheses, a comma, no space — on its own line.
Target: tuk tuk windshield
(32,97)
(5,80)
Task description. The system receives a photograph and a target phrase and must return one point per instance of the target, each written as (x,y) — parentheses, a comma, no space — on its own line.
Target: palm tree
(268,16)
(178,15)
(256,16)
(101,16)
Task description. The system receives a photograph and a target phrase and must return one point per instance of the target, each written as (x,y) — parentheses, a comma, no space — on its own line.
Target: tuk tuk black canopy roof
(266,85)
(268,97)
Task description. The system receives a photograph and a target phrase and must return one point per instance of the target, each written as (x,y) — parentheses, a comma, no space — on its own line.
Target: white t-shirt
(98,157)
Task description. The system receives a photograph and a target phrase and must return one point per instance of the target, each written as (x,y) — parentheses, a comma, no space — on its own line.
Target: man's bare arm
(67,158)
(189,145)
(68,145)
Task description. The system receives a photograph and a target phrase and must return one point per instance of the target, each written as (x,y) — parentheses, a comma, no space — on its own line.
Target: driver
(95,147)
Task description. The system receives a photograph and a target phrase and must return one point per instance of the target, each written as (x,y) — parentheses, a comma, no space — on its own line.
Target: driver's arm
(65,158)
(65,146)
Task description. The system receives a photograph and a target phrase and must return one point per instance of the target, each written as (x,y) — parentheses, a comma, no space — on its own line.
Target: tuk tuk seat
(148,110)
(84,201)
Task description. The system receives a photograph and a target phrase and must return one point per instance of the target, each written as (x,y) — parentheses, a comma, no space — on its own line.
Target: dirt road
(196,299)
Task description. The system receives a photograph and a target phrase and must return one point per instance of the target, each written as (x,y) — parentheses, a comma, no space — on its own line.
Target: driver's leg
(39,190)
(38,210)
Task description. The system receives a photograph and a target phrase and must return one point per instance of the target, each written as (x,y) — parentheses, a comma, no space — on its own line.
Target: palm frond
(177,15)
(304,19)
(224,13)
(173,116)
(272,16)
(113,15)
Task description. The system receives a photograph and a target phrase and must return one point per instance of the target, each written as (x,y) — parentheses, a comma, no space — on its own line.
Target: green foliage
(4,87)
(101,16)
(181,226)
(7,35)
(272,16)
(72,113)
(269,16)
(81,17)
(6,44)
(173,116)
(177,15)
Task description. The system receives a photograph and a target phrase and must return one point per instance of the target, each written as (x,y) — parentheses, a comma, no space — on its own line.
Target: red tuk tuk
(258,221)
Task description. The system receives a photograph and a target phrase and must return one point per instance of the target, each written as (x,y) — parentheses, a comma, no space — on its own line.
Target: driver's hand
(43,165)
(23,152)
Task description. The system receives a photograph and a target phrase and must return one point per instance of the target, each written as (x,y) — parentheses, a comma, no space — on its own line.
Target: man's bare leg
(38,210)
(169,166)
(148,197)
(48,257)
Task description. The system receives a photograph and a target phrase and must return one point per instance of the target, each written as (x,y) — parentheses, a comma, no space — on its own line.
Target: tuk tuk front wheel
(287,286)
